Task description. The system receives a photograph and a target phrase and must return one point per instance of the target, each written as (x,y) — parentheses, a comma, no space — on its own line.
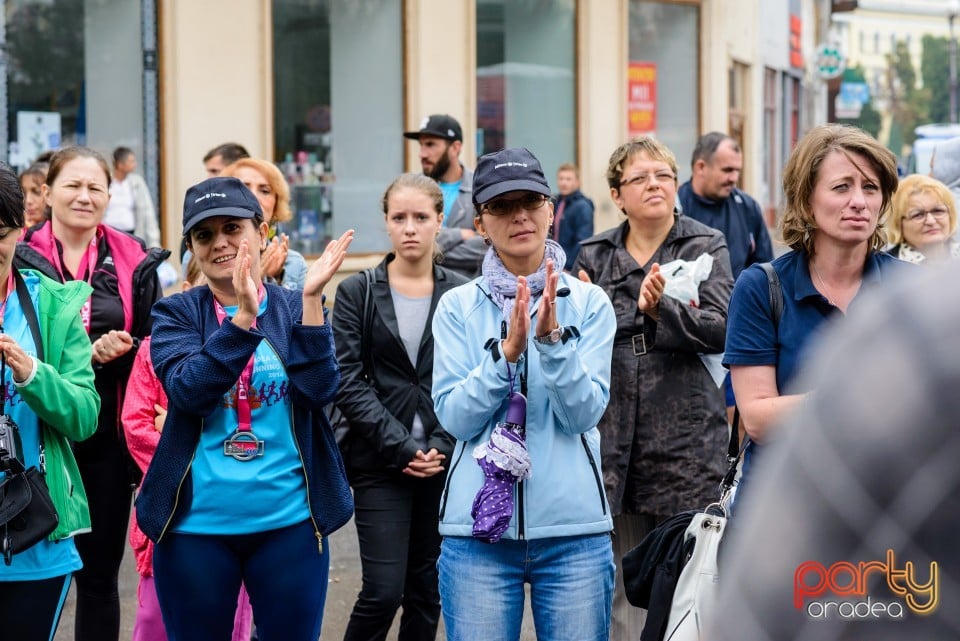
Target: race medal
(243,446)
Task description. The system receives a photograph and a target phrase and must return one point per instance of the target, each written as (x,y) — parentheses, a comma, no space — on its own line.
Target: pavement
(345,582)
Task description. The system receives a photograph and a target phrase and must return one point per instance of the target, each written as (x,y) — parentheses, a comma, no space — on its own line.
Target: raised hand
(516,341)
(327,265)
(245,288)
(18,360)
(274,257)
(547,311)
(651,291)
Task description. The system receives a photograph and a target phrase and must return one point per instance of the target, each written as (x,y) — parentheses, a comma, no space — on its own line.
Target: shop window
(526,78)
(665,44)
(338,116)
(79,72)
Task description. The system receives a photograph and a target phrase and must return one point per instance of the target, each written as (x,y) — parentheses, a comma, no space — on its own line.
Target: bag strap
(367,322)
(735,449)
(30,314)
(776,293)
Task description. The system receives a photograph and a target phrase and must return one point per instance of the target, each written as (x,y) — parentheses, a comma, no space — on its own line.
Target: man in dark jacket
(573,213)
(711,196)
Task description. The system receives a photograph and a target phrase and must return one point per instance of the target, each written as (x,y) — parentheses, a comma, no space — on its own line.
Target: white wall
(216,86)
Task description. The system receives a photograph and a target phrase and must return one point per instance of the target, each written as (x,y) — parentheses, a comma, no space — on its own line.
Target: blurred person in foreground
(922,221)
(838,184)
(864,472)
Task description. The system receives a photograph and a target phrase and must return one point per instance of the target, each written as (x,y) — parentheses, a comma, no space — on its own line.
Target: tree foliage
(935,71)
(909,104)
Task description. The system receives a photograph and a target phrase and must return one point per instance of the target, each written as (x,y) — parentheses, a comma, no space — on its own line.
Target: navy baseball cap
(440,125)
(515,169)
(218,196)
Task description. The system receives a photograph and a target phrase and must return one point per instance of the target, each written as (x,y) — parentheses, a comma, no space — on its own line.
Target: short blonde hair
(911,186)
(281,213)
(803,169)
(623,154)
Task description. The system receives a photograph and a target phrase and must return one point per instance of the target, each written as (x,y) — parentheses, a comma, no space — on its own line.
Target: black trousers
(30,610)
(396,519)
(104,469)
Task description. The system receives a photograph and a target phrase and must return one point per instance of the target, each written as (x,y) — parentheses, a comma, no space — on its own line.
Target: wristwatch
(550,338)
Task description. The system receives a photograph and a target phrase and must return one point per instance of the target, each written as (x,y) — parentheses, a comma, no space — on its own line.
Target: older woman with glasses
(923,220)
(665,428)
(524,501)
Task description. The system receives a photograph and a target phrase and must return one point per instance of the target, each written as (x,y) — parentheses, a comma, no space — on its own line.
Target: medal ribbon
(246,376)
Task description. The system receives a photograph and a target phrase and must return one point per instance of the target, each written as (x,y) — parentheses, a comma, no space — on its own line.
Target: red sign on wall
(796,43)
(641,98)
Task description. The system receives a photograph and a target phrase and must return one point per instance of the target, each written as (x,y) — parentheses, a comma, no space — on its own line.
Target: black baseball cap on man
(515,169)
(440,125)
(218,196)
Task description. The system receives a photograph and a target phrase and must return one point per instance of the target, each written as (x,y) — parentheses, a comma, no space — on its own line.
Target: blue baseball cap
(218,196)
(515,169)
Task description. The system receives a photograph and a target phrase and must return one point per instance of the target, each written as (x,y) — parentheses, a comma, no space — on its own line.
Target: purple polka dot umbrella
(504,460)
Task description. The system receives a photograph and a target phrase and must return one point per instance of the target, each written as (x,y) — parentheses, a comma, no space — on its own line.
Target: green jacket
(63,396)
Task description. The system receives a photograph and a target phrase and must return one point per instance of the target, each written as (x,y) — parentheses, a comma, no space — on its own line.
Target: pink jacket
(143,392)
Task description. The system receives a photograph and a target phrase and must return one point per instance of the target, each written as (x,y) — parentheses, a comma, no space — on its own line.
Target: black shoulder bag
(339,422)
(27,514)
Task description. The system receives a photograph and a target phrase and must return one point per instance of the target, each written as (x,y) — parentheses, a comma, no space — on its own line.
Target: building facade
(325,88)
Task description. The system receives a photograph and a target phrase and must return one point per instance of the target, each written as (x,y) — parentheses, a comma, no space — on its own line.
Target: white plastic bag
(683,279)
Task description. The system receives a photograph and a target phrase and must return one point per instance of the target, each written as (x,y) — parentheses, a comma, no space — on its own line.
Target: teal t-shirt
(265,493)
(46,559)
(450,193)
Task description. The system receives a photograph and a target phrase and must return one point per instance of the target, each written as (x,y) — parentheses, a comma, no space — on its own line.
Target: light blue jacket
(568,387)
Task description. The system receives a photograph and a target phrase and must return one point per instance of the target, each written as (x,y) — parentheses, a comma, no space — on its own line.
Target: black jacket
(380,411)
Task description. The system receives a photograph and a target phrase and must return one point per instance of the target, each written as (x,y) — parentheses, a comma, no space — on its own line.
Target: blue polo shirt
(751,338)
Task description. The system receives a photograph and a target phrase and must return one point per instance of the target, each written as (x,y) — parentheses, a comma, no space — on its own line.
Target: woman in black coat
(395,448)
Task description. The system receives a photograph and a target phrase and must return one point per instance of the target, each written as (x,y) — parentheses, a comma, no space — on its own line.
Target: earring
(486,240)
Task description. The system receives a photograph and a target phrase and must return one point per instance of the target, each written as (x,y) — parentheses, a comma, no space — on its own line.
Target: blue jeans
(198,578)
(571,587)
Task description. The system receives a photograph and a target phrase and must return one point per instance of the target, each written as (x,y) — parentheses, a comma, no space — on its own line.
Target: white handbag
(699,583)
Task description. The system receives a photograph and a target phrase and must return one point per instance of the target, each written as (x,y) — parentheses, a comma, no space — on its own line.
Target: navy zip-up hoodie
(197,360)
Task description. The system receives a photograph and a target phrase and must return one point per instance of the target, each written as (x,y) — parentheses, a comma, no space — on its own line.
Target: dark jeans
(30,610)
(198,579)
(396,519)
(104,469)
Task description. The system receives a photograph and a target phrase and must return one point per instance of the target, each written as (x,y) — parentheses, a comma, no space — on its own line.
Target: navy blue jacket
(738,217)
(576,224)
(197,360)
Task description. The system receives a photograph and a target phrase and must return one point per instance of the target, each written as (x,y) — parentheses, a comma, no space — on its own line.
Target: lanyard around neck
(244,413)
(88,263)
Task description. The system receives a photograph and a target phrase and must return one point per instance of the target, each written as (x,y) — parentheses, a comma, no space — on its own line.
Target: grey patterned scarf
(503,284)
